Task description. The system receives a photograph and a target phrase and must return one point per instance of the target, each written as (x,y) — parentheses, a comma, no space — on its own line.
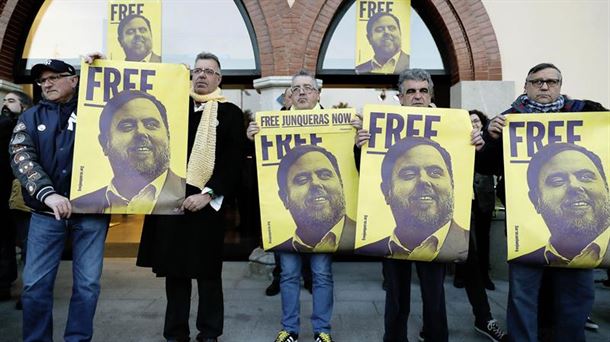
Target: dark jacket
(401,65)
(454,248)
(41,151)
(191,245)
(346,240)
(168,203)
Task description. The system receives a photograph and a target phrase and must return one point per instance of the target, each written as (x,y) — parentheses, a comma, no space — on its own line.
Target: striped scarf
(530,106)
(203,155)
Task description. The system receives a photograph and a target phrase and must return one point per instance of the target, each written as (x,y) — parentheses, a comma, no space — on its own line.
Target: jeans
(572,301)
(290,289)
(46,239)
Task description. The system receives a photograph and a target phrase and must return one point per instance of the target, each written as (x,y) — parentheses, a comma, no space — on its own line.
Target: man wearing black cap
(41,151)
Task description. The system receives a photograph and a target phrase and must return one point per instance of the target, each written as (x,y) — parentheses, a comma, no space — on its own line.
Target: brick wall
(290,38)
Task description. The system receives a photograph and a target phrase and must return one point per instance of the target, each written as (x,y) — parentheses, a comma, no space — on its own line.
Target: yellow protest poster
(134,30)
(416,175)
(307,180)
(557,198)
(130,146)
(382,36)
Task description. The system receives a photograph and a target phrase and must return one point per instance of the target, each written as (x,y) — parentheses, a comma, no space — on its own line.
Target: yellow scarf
(201,161)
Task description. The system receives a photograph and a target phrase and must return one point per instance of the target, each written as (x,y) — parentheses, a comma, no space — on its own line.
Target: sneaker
(323,337)
(490,285)
(492,330)
(273,289)
(285,336)
(591,325)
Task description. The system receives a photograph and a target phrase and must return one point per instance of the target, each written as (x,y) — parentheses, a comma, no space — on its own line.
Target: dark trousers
(473,284)
(210,311)
(8,258)
(397,275)
(482,227)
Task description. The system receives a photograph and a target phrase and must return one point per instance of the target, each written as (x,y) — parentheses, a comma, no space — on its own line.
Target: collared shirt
(147,58)
(329,242)
(317,106)
(590,256)
(388,67)
(143,202)
(427,249)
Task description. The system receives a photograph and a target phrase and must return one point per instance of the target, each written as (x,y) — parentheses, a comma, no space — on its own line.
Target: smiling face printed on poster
(558,202)
(417,170)
(306,164)
(130,149)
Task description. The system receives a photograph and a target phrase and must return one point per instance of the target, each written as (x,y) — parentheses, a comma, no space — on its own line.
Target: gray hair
(416,75)
(208,55)
(307,73)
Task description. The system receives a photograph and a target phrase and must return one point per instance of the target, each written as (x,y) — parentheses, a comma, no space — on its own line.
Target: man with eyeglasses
(572,289)
(41,151)
(186,247)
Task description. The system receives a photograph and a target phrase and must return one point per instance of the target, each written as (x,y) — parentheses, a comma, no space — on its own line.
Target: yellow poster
(557,199)
(130,146)
(416,185)
(134,30)
(382,36)
(307,180)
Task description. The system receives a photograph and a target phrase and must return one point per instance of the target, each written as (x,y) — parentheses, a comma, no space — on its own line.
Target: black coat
(191,245)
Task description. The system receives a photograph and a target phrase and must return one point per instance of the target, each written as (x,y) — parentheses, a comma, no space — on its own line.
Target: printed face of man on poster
(135,37)
(417,184)
(311,189)
(569,189)
(384,34)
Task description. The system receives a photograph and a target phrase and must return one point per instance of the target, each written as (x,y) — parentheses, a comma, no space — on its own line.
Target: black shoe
(323,337)
(490,285)
(492,330)
(591,325)
(207,339)
(274,288)
(285,336)
(458,283)
(307,286)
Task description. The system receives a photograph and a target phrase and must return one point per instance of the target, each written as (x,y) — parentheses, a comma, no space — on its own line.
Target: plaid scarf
(524,104)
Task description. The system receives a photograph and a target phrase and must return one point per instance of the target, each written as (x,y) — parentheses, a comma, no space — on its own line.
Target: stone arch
(290,36)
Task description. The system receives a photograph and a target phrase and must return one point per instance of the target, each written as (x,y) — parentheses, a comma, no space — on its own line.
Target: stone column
(490,97)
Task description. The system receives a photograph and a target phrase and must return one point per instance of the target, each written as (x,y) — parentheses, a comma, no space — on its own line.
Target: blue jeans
(322,291)
(573,295)
(46,239)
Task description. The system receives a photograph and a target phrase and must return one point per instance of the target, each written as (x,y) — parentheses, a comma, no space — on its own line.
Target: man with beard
(573,299)
(384,35)
(311,188)
(15,102)
(417,183)
(417,90)
(134,134)
(135,37)
(568,187)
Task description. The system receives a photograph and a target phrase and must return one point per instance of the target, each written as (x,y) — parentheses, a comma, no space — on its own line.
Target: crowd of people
(40,144)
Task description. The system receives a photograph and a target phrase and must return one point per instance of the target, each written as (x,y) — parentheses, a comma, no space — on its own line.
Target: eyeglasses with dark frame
(551,82)
(52,79)
(307,89)
(206,71)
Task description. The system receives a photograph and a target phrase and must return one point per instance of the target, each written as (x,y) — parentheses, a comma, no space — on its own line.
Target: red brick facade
(290,38)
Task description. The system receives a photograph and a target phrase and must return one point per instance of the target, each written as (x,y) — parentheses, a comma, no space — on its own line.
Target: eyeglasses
(51,79)
(206,71)
(307,89)
(550,82)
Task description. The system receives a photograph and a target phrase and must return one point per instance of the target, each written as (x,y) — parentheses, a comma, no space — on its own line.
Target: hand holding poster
(307,180)
(124,159)
(134,30)
(382,36)
(415,184)
(557,198)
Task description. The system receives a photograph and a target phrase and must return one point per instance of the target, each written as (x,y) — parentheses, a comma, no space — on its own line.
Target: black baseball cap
(54,65)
